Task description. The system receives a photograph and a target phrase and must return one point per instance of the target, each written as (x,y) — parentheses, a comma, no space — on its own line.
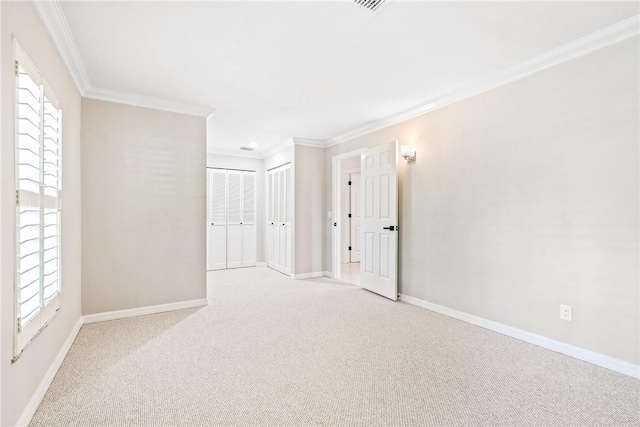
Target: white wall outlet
(565,312)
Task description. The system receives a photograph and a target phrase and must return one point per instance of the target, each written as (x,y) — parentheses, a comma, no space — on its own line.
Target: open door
(379,187)
(354,215)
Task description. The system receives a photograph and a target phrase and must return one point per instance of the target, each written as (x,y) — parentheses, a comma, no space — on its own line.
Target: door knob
(391,227)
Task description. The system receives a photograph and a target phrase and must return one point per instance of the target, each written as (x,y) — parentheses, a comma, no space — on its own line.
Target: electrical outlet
(565,312)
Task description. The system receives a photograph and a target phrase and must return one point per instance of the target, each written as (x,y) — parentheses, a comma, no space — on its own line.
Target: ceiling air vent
(247,148)
(372,5)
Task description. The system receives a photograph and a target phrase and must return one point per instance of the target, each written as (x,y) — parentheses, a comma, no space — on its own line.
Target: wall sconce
(408,153)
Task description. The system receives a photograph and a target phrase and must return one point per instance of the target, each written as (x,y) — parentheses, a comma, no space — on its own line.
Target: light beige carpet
(272,351)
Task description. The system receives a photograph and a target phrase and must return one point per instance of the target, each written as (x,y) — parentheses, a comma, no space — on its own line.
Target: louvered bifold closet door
(234,220)
(248,219)
(276,219)
(37,173)
(270,223)
(288,219)
(217,219)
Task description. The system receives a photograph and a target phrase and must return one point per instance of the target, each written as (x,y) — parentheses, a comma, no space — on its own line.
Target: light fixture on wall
(408,153)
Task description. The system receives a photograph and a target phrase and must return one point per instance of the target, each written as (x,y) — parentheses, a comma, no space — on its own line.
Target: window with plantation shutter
(37,178)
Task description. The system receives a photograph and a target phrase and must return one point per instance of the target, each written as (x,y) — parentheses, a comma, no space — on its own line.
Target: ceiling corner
(54,21)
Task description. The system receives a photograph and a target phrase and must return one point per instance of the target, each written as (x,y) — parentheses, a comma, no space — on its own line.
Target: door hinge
(18,197)
(349,247)
(349,182)
(349,215)
(19,325)
(17,68)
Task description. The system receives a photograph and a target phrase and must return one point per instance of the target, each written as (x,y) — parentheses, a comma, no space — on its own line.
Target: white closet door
(216,219)
(270,221)
(280,219)
(248,223)
(276,220)
(283,230)
(288,219)
(234,219)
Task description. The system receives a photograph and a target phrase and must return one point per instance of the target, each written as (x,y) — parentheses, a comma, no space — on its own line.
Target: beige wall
(245,163)
(143,207)
(526,197)
(20,379)
(309,209)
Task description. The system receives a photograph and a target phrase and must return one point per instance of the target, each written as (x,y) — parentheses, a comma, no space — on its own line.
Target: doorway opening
(347,217)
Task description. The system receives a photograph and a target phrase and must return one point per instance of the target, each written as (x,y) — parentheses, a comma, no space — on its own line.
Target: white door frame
(336,208)
(348,188)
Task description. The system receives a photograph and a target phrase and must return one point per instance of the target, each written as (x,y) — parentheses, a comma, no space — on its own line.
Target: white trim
(30,410)
(303,276)
(142,311)
(589,356)
(149,102)
(278,148)
(327,274)
(309,142)
(582,46)
(261,264)
(56,24)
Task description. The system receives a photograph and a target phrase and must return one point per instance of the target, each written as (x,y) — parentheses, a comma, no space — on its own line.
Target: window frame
(25,334)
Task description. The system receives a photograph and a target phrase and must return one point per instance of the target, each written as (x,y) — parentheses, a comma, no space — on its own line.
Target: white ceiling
(275,70)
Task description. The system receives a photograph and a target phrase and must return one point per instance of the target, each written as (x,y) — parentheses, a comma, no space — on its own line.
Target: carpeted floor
(273,351)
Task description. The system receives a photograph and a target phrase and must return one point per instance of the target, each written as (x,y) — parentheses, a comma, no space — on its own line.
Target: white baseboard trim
(328,274)
(589,356)
(303,276)
(261,264)
(38,395)
(141,311)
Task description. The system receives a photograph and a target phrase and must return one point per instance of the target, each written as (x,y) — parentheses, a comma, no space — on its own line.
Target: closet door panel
(218,247)
(248,219)
(234,246)
(216,219)
(248,245)
(270,223)
(288,254)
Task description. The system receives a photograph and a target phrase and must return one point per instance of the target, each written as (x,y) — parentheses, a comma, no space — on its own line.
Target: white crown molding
(310,142)
(148,102)
(54,21)
(589,356)
(582,46)
(275,150)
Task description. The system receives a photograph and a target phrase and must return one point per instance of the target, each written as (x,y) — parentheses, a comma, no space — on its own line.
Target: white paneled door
(355,223)
(279,218)
(379,265)
(231,219)
(216,219)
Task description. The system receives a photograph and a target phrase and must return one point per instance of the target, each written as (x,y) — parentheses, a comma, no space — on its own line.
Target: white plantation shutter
(37,169)
(248,197)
